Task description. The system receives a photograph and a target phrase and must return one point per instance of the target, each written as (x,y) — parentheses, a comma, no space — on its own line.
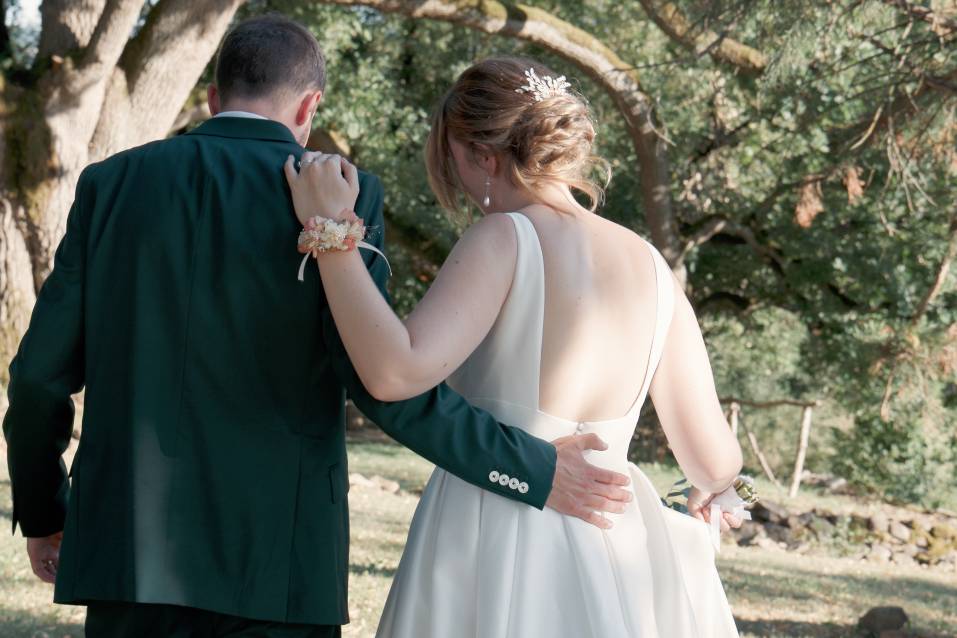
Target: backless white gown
(478,565)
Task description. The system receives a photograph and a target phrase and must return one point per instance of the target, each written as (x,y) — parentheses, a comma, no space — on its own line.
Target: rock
(880,619)
(880,553)
(904,560)
(386,485)
(765,543)
(923,558)
(822,528)
(358,480)
(899,531)
(945,533)
(838,486)
(375,482)
(878,522)
(922,542)
(910,550)
(948,561)
(779,533)
(746,533)
(769,512)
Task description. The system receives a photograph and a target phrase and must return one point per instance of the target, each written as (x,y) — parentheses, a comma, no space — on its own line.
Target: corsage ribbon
(734,500)
(359,244)
(322,235)
(727,501)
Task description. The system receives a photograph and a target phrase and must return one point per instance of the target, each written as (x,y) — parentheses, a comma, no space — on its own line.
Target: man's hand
(581,489)
(699,506)
(45,556)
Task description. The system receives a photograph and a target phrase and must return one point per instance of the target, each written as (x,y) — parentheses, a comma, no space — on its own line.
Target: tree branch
(67,25)
(898,353)
(157,70)
(112,33)
(924,14)
(597,61)
(721,48)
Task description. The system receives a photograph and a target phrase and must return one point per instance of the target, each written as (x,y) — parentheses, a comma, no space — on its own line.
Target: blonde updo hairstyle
(536,141)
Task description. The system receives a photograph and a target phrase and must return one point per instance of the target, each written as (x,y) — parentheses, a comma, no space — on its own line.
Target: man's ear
(308,107)
(212,99)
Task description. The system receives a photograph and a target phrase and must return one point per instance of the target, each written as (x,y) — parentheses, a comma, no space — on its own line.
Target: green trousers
(138,620)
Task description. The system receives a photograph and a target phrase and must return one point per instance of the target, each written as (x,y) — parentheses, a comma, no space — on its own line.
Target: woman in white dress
(560,322)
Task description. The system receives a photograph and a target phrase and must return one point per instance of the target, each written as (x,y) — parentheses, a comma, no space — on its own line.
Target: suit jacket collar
(245,128)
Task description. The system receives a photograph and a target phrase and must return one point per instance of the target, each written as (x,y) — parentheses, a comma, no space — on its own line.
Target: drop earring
(488,192)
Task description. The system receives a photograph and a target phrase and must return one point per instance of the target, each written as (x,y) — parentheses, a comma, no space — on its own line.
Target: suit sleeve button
(503,480)
(513,483)
(493,476)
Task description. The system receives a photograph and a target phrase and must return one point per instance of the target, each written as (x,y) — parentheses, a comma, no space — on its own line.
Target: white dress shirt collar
(253,116)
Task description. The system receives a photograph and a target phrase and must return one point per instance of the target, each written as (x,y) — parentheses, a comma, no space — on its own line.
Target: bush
(902,460)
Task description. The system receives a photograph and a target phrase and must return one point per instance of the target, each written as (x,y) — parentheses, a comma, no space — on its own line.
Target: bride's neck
(556,196)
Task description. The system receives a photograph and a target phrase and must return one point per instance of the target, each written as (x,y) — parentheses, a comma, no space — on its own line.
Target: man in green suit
(209,491)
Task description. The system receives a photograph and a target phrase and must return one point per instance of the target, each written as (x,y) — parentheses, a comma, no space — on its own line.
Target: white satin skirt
(478,565)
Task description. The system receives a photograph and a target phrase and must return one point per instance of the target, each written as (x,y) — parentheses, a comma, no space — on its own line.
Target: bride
(560,322)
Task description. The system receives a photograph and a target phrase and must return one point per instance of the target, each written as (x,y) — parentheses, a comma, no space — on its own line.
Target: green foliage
(899,459)
(856,104)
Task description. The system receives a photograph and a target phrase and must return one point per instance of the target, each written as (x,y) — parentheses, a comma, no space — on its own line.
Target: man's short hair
(268,55)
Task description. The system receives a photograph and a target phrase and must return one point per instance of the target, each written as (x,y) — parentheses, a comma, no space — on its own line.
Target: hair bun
(542,131)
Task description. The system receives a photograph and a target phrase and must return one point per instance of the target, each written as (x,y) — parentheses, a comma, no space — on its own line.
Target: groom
(209,492)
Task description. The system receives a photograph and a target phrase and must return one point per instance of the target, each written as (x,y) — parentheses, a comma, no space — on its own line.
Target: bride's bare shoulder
(492,238)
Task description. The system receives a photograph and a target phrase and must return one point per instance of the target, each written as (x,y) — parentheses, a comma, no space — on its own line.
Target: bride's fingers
(732,520)
(351,174)
(289,169)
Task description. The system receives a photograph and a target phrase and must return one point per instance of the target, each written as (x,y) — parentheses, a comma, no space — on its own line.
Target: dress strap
(664,309)
(523,318)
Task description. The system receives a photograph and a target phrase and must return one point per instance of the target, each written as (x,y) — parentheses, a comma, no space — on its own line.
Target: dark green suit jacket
(211,470)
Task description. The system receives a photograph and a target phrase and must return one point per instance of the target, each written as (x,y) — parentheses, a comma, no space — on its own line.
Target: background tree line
(794,162)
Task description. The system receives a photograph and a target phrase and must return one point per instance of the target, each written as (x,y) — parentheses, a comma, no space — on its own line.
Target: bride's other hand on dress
(324,186)
(699,506)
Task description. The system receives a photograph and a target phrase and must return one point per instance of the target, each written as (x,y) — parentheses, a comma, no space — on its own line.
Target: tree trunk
(619,79)
(93,91)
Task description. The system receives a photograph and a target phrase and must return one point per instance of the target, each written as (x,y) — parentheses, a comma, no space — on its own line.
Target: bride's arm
(394,359)
(397,360)
(687,404)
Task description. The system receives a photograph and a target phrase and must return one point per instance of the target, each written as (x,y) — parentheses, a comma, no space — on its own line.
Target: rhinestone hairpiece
(543,87)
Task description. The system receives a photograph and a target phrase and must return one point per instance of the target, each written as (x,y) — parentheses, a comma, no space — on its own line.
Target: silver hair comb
(543,87)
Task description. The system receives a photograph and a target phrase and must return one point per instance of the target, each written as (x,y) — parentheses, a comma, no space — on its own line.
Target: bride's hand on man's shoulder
(323,186)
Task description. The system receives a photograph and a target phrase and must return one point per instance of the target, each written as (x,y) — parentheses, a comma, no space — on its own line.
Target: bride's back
(600,293)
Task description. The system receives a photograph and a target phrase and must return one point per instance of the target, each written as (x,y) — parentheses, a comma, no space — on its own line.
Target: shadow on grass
(17,623)
(795,628)
(928,603)
(371,570)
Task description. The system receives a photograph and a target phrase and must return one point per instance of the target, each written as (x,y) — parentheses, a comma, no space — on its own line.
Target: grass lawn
(773,592)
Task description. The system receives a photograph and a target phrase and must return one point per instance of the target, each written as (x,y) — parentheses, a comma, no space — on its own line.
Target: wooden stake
(757,452)
(801,451)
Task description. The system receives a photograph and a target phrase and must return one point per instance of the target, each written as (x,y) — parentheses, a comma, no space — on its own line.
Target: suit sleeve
(440,424)
(47,370)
